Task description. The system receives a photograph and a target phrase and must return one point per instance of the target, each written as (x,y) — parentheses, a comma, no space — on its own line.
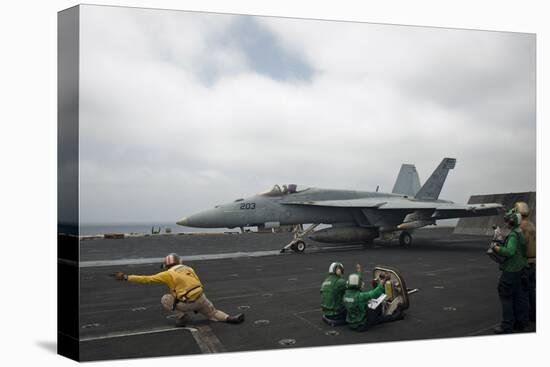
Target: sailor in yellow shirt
(186,291)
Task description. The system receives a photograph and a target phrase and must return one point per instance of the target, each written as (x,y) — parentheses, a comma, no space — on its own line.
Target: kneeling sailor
(359,316)
(332,291)
(186,291)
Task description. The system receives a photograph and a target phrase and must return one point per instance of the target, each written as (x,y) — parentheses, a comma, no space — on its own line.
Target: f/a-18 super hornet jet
(354,216)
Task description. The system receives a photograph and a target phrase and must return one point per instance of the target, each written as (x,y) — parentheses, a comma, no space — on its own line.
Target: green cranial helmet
(335,265)
(355,281)
(512,218)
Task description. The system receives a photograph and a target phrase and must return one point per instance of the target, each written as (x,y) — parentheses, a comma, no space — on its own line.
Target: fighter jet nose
(205,219)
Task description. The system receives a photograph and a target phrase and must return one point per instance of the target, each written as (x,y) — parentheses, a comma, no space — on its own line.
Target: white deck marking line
(153,260)
(229,255)
(134,333)
(210,339)
(200,341)
(308,322)
(203,336)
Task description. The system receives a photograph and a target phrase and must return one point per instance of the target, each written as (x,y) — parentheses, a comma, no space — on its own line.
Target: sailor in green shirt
(359,316)
(513,285)
(332,291)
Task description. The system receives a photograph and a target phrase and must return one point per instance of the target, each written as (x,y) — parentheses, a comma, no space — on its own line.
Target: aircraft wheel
(405,239)
(299,246)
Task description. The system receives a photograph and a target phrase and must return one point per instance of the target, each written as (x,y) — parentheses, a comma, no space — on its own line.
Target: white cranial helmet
(355,280)
(335,265)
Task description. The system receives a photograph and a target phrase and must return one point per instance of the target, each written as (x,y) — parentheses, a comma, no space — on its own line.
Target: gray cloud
(264,53)
(181,111)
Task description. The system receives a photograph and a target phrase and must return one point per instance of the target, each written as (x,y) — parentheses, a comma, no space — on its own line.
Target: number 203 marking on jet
(248,206)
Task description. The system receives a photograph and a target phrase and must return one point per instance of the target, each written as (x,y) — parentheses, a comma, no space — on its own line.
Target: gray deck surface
(457,297)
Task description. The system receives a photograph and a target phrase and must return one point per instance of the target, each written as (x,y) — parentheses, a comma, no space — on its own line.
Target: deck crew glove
(120,276)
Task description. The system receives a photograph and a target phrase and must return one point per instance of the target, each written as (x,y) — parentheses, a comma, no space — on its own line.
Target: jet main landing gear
(405,239)
(298,244)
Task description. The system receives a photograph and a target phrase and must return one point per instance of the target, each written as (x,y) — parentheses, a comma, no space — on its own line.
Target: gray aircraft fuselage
(272,209)
(355,216)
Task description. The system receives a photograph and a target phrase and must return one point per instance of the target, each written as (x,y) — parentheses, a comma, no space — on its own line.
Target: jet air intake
(344,234)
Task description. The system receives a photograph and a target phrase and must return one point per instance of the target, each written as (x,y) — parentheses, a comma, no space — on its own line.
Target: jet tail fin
(407,182)
(433,185)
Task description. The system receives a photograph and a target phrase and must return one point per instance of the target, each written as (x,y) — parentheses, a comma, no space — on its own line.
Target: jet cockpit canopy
(284,190)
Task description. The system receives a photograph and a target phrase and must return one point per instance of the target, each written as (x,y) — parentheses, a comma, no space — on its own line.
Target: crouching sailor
(332,292)
(359,316)
(186,291)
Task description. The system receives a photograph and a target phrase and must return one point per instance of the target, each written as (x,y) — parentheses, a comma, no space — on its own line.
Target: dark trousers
(375,317)
(532,292)
(513,290)
(340,316)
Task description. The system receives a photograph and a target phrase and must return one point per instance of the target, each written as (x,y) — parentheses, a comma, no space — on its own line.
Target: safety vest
(356,310)
(332,291)
(187,285)
(356,304)
(518,260)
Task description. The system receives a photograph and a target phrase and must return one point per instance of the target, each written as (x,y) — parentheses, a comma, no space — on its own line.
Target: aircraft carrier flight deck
(279,293)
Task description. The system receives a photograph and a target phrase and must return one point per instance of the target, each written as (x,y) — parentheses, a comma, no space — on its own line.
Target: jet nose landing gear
(298,244)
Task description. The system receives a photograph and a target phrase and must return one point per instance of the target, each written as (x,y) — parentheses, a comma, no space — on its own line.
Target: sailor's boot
(237,319)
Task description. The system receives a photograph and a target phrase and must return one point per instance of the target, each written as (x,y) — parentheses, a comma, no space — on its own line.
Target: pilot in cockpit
(292,188)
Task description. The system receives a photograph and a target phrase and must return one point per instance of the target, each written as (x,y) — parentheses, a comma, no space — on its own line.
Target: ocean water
(102,228)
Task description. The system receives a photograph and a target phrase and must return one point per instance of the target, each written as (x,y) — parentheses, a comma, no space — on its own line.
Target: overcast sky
(181,111)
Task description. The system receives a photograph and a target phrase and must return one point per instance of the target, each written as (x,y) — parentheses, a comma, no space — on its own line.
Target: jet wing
(438,209)
(416,205)
(352,203)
